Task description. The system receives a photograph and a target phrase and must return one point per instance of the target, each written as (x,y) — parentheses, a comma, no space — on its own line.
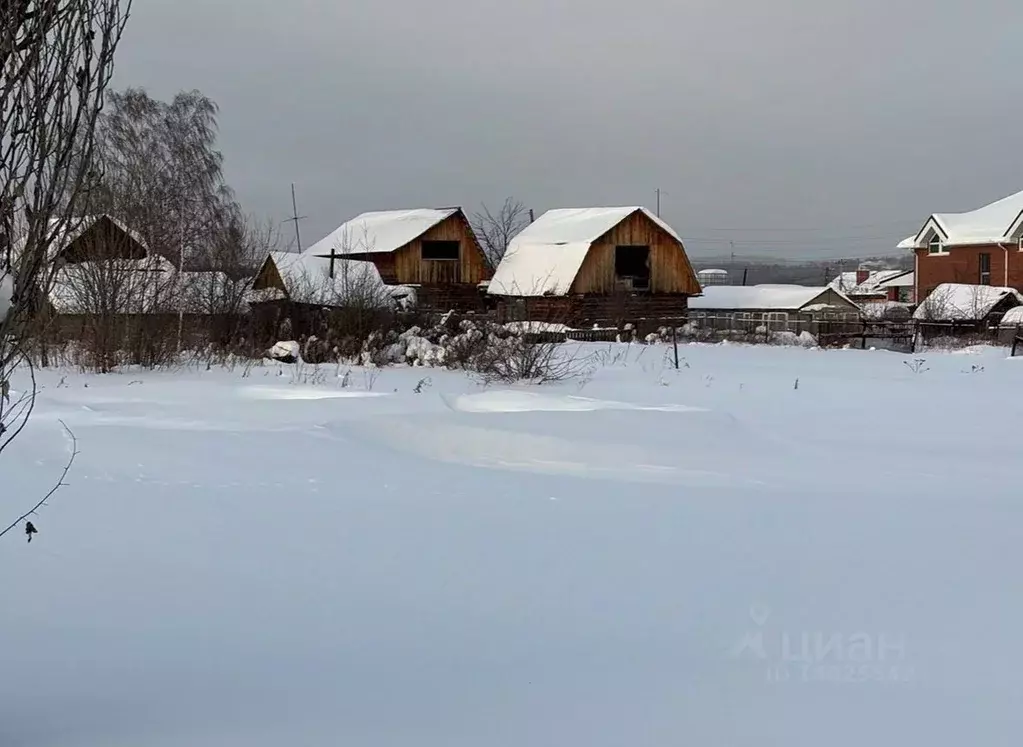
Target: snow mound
(517,401)
(286,351)
(303,393)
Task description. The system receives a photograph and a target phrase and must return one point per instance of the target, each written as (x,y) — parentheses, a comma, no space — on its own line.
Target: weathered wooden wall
(268,277)
(407,267)
(645,310)
(670,271)
(103,240)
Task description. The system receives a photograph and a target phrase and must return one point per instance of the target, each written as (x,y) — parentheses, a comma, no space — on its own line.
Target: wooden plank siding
(670,270)
(406,266)
(268,277)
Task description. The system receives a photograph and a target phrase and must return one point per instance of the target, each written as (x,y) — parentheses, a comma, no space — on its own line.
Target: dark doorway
(632,265)
(443,251)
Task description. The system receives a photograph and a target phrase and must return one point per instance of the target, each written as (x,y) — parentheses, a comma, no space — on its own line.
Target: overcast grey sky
(849,120)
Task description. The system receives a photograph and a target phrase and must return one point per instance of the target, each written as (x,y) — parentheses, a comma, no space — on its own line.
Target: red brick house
(980,247)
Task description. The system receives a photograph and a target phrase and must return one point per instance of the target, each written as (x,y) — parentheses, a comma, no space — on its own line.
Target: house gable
(669,268)
(445,254)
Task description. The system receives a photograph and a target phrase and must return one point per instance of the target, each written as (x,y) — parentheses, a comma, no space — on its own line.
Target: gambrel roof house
(549,256)
(432,249)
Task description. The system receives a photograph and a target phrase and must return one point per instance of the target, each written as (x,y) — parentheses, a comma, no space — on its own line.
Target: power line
(806,229)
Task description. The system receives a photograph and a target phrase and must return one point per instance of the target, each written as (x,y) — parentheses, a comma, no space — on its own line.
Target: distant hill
(797,272)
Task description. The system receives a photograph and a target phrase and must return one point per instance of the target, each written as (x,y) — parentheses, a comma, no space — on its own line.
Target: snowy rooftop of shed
(307,279)
(961,302)
(876,280)
(384,231)
(781,297)
(544,258)
(986,225)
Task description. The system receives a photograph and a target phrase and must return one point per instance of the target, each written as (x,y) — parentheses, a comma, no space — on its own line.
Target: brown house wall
(962,265)
(407,267)
(268,277)
(670,271)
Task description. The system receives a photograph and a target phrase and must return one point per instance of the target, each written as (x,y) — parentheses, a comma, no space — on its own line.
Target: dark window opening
(632,267)
(444,251)
(985,269)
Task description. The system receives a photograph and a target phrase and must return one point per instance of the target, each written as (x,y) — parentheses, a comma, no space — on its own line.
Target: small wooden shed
(432,250)
(586,266)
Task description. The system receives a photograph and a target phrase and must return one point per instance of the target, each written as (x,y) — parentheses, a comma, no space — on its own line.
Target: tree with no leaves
(162,174)
(56,61)
(495,231)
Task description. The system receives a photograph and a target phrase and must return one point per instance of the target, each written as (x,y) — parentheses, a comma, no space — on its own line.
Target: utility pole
(296,218)
(658,190)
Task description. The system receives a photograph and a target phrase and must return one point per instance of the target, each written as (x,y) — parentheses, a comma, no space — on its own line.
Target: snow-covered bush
(803,340)
(285,351)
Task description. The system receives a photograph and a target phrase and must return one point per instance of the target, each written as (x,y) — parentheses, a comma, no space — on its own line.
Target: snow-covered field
(713,556)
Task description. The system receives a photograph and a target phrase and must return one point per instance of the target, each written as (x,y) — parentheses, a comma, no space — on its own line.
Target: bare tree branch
(59,484)
(495,231)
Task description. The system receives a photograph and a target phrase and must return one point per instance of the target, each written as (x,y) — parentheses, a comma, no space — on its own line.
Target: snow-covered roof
(875,281)
(63,232)
(544,258)
(712,272)
(1013,317)
(781,297)
(905,280)
(991,224)
(307,280)
(885,310)
(127,286)
(961,302)
(384,231)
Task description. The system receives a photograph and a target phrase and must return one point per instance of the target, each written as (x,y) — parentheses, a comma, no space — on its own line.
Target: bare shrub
(515,359)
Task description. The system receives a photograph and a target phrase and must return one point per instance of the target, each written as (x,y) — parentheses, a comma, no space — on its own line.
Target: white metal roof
(876,280)
(384,231)
(991,224)
(781,297)
(544,258)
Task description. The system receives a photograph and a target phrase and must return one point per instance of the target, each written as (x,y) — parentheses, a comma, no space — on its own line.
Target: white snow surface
(382,231)
(960,301)
(782,297)
(544,258)
(989,224)
(722,557)
(6,291)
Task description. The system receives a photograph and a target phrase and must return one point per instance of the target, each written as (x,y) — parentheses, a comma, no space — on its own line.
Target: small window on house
(985,268)
(935,247)
(440,251)
(632,266)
